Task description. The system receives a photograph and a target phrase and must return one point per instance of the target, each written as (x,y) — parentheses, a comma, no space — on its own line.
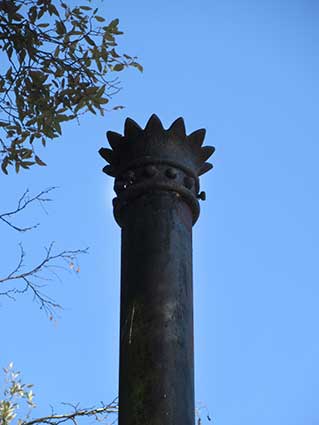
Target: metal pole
(156,180)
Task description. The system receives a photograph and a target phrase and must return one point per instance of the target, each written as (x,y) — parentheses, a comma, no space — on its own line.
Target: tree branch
(31,278)
(100,414)
(23,203)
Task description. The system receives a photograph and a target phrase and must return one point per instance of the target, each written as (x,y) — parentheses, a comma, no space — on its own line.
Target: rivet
(150,170)
(171,173)
(188,182)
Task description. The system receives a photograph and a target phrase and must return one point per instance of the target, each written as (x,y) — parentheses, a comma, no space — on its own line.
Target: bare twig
(25,201)
(45,270)
(200,412)
(101,414)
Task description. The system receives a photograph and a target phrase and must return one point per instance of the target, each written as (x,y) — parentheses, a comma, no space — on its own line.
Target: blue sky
(248,72)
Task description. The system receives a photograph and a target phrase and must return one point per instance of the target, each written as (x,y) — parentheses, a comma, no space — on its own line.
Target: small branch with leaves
(17,402)
(57,62)
(100,414)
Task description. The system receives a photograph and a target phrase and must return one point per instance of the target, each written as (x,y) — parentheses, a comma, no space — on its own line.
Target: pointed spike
(206,152)
(107,154)
(154,125)
(131,129)
(114,138)
(197,137)
(178,128)
(108,169)
(204,168)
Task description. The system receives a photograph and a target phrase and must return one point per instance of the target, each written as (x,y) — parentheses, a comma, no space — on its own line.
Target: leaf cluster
(56,63)
(17,405)
(15,393)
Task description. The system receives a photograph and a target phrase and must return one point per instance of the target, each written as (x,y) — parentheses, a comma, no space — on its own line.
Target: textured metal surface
(157,186)
(156,159)
(156,358)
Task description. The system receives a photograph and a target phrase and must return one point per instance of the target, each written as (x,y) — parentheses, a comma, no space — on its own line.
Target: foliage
(55,64)
(17,405)
(16,395)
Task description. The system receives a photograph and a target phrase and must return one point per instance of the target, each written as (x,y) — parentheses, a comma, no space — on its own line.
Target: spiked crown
(156,159)
(156,143)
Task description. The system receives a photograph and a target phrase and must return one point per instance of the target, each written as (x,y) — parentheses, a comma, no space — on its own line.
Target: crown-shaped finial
(156,143)
(153,157)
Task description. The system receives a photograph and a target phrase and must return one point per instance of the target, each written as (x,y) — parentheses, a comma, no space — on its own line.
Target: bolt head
(171,173)
(188,182)
(202,196)
(150,170)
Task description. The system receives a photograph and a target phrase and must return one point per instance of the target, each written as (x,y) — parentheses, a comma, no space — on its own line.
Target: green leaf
(4,166)
(27,164)
(102,100)
(60,27)
(114,23)
(114,54)
(118,67)
(99,18)
(9,52)
(56,52)
(22,55)
(57,127)
(62,117)
(101,90)
(18,17)
(138,66)
(9,74)
(98,64)
(33,14)
(80,105)
(39,161)
(90,108)
(89,40)
(53,10)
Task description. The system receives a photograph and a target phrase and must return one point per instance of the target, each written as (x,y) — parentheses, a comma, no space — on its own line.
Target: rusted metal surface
(156,181)
(156,360)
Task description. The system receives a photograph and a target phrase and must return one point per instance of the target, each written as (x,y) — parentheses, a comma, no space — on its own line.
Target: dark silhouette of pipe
(157,185)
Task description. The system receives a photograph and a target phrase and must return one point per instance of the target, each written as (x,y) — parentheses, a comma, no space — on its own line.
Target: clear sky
(248,72)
